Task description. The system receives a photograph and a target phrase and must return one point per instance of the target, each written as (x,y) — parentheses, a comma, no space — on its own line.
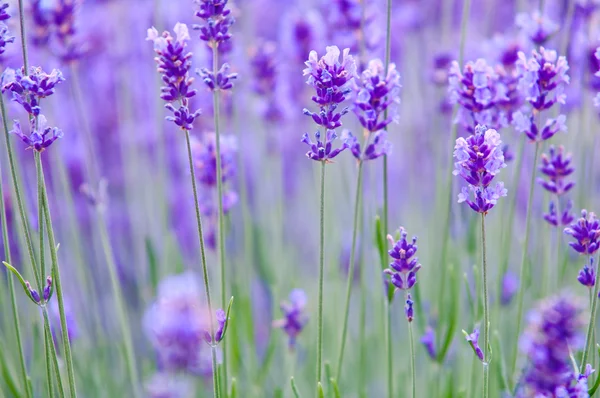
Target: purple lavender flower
(557,167)
(536,27)
(175,324)
(478,158)
(510,286)
(509,156)
(63,19)
(48,289)
(41,16)
(72,325)
(205,158)
(29,90)
(404,267)
(3,14)
(294,318)
(40,137)
(525,123)
(440,68)
(221,318)
(217,21)
(553,330)
(408,308)
(264,66)
(323,151)
(223,81)
(587,275)
(5,38)
(376,145)
(473,340)
(35,296)
(428,341)
(565,219)
(586,232)
(478,92)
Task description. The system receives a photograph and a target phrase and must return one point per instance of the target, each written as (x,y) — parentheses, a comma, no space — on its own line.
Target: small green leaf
(336,390)
(592,390)
(227,317)
(380,241)
(320,390)
(21,280)
(453,313)
(294,388)
(233,392)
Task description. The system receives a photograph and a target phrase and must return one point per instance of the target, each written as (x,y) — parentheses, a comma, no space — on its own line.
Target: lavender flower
(536,27)
(323,151)
(294,318)
(376,145)
(222,81)
(175,324)
(204,151)
(408,308)
(29,90)
(428,341)
(174,64)
(478,158)
(554,329)
(587,275)
(40,137)
(41,17)
(264,66)
(473,340)
(510,286)
(63,18)
(222,319)
(586,232)
(597,99)
(48,289)
(72,325)
(565,219)
(556,167)
(404,267)
(33,294)
(217,21)
(3,14)
(5,38)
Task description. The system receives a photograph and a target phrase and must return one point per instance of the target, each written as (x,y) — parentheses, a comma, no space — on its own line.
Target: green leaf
(380,241)
(592,390)
(233,392)
(453,313)
(501,368)
(336,390)
(152,264)
(227,317)
(294,388)
(20,278)
(320,390)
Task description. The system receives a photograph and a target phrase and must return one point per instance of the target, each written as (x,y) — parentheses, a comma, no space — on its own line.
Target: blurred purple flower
(294,318)
(376,145)
(510,286)
(217,21)
(72,325)
(586,232)
(473,340)
(404,267)
(428,341)
(565,219)
(557,167)
(39,138)
(169,385)
(478,158)
(587,275)
(5,38)
(536,27)
(264,63)
(554,330)
(41,16)
(204,152)
(29,90)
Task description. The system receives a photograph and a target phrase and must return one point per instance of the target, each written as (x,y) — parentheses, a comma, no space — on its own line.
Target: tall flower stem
(11,288)
(221,232)
(119,303)
(389,344)
(51,353)
(57,283)
(521,293)
(321,275)
(23,36)
(486,314)
(357,205)
(213,350)
(589,341)
(413,370)
(558,244)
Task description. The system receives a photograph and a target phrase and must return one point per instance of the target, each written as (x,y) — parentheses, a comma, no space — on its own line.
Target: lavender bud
(48,288)
(32,292)
(294,318)
(408,308)
(587,275)
(473,341)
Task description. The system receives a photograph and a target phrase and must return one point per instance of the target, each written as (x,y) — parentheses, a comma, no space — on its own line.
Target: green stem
(13,297)
(53,354)
(321,275)
(40,215)
(486,315)
(389,344)
(589,341)
(119,303)
(357,205)
(412,359)
(203,258)
(221,232)
(58,285)
(521,293)
(23,36)
(49,366)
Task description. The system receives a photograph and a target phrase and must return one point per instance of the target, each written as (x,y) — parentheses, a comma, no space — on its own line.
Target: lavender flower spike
(403,270)
(323,151)
(557,167)
(564,219)
(217,20)
(473,340)
(41,137)
(587,275)
(29,90)
(428,341)
(294,318)
(536,27)
(586,232)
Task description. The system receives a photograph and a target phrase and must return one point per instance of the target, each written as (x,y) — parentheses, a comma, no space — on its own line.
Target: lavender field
(299,198)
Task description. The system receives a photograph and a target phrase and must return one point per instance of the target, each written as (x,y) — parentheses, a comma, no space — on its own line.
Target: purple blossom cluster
(587,275)
(597,56)
(294,318)
(217,22)
(536,27)
(5,36)
(479,158)
(554,329)
(264,66)
(586,233)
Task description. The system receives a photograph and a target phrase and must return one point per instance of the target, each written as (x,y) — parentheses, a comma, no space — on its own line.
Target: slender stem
(357,205)
(23,36)
(412,359)
(389,344)
(58,285)
(203,258)
(521,294)
(49,366)
(388,55)
(591,326)
(486,314)
(40,215)
(52,352)
(558,243)
(11,288)
(221,232)
(119,303)
(321,274)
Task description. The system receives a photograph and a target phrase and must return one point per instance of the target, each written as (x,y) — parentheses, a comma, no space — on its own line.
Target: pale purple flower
(473,340)
(294,317)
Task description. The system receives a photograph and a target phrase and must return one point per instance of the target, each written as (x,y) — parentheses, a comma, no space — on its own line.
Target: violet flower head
(473,340)
(565,218)
(323,151)
(554,329)
(478,92)
(586,232)
(176,323)
(597,98)
(294,318)
(64,18)
(222,81)
(3,14)
(428,340)
(5,38)
(536,27)
(376,145)
(41,16)
(556,165)
(478,158)
(376,91)
(217,21)
(510,286)
(331,80)
(35,296)
(28,90)
(72,324)
(222,319)
(264,63)
(408,308)
(404,267)
(204,152)
(587,275)
(40,137)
